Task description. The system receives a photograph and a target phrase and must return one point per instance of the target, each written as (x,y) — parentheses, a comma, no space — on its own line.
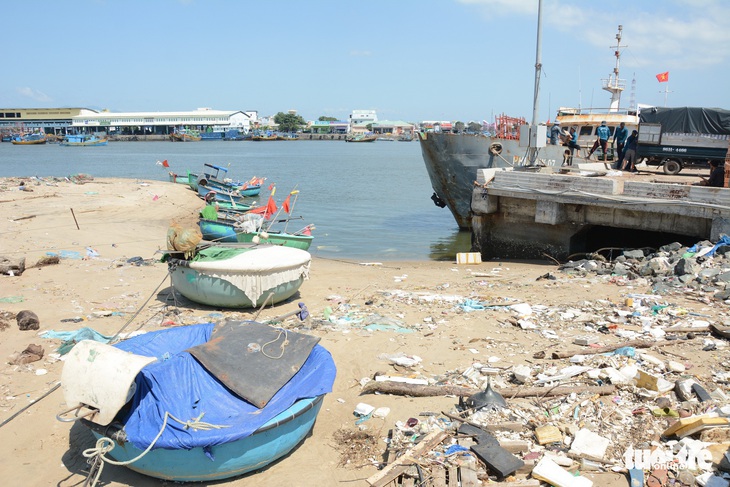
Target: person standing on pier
(602,134)
(572,145)
(619,142)
(555,133)
(628,161)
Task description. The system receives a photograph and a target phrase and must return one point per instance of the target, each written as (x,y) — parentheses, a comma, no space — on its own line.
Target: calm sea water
(368,201)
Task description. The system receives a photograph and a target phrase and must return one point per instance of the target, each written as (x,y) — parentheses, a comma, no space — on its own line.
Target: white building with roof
(359,120)
(165,122)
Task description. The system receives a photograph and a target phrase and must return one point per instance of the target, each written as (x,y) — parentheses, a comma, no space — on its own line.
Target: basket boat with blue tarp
(199,402)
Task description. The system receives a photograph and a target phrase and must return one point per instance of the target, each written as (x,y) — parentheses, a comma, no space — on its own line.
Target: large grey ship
(452,159)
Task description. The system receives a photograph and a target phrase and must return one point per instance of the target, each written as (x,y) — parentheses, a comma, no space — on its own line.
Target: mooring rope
(104,445)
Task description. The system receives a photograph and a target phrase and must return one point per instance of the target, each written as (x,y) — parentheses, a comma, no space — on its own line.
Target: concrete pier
(520,214)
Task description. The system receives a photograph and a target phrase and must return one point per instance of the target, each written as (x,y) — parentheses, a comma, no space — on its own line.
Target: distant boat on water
(185,135)
(83,140)
(29,139)
(361,138)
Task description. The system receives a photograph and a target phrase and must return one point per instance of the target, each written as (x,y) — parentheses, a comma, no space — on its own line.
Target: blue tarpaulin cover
(178,384)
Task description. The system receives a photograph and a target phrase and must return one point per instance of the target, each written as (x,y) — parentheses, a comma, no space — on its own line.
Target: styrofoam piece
(552,473)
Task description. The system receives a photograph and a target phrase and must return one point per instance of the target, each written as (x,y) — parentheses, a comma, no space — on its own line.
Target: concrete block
(550,212)
(485,176)
(719,227)
(484,203)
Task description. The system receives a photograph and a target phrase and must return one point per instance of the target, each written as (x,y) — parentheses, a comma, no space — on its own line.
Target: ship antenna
(614,84)
(632,102)
(538,66)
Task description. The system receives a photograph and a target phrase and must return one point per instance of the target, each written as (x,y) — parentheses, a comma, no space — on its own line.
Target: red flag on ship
(271,186)
(286,204)
(165,164)
(663,77)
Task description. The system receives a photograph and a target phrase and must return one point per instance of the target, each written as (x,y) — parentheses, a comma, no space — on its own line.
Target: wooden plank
(453,477)
(438,477)
(396,468)
(468,477)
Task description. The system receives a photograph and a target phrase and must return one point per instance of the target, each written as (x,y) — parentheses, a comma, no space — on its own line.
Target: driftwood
(416,390)
(390,472)
(12,266)
(611,348)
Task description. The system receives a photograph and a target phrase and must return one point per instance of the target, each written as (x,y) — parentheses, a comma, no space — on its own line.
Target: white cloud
(33,94)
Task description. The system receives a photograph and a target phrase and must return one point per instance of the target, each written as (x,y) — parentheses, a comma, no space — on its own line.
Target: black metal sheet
(254,360)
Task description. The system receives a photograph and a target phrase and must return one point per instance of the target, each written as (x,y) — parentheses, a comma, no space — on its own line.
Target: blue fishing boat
(212,177)
(29,139)
(218,230)
(221,195)
(240,275)
(83,140)
(195,405)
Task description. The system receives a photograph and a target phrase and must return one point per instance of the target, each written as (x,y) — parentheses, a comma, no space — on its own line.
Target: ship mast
(614,84)
(538,67)
(535,140)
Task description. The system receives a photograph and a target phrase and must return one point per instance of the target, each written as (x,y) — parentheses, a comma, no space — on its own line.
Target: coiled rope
(97,455)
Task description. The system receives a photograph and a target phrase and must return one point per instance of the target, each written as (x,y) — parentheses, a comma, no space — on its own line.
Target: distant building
(359,120)
(437,126)
(48,120)
(396,128)
(163,123)
(329,127)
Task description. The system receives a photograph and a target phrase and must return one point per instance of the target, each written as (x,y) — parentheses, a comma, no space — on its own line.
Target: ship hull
(452,161)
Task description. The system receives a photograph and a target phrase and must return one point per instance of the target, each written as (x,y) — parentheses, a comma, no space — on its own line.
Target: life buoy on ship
(495,148)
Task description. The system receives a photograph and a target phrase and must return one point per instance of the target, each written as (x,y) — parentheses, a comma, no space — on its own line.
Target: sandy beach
(101,226)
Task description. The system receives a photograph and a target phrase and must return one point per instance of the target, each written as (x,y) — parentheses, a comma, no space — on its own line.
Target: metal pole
(538,66)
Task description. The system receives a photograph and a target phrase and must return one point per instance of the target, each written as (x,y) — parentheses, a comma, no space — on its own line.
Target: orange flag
(663,77)
(165,164)
(285,205)
(270,208)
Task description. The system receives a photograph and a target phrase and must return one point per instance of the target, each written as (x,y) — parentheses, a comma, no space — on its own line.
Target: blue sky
(410,60)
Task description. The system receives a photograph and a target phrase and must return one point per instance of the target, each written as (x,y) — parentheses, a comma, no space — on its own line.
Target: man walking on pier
(602,133)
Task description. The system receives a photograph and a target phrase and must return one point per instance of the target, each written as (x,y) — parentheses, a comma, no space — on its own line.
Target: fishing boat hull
(29,141)
(265,274)
(83,141)
(174,178)
(452,161)
(217,231)
(276,238)
(220,195)
(272,441)
(193,181)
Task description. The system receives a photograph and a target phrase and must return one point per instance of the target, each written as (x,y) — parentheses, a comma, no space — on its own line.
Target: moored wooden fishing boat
(297,241)
(218,230)
(83,140)
(29,139)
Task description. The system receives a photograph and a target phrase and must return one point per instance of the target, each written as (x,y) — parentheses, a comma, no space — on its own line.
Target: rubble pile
(704,267)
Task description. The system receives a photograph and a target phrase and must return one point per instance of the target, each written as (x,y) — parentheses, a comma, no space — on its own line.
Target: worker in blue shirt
(602,135)
(619,142)
(555,133)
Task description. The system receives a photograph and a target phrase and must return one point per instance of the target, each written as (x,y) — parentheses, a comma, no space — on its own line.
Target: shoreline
(413,305)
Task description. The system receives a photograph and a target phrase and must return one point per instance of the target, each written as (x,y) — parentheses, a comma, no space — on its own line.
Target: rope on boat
(283,345)
(97,456)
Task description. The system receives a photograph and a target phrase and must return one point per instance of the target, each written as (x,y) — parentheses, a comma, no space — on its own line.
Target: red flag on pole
(270,208)
(165,164)
(285,205)
(663,77)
